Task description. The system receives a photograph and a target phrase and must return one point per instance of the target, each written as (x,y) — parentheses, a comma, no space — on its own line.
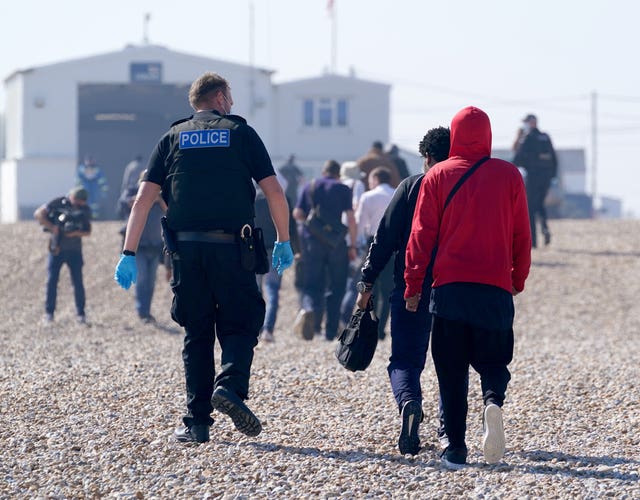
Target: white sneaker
(493,442)
(303,325)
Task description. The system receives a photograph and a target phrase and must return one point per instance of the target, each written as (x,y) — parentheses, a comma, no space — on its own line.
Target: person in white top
(373,203)
(351,175)
(370,210)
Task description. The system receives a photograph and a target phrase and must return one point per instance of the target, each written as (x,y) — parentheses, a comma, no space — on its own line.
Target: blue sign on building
(146,72)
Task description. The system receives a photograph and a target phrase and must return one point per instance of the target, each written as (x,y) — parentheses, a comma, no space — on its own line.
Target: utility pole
(594,151)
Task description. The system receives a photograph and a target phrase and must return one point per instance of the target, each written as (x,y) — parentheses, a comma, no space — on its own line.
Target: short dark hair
(436,143)
(332,168)
(376,145)
(383,175)
(204,85)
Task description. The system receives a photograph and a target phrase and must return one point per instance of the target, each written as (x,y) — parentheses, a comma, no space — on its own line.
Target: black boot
(193,434)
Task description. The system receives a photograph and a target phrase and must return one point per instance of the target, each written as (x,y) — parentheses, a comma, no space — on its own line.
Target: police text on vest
(209,138)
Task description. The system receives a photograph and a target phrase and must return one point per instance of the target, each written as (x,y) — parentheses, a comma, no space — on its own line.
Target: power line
(620,98)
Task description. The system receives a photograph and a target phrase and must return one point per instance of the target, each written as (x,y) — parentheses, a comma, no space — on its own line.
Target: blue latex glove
(126,271)
(282,256)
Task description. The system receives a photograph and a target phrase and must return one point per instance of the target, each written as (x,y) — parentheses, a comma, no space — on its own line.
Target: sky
(508,57)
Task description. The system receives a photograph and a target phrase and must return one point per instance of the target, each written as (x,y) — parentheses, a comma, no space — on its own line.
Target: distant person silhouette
(293,175)
(394,154)
(534,152)
(376,157)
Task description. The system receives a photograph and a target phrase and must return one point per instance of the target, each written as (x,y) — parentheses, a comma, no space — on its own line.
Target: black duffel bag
(357,342)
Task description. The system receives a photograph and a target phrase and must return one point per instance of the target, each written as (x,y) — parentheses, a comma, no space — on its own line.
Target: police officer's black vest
(538,155)
(209,184)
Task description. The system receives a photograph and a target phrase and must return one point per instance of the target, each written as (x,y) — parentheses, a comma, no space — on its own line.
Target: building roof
(143,50)
(331,77)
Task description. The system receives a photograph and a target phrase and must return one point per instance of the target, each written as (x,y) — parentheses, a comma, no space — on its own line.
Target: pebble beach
(89,411)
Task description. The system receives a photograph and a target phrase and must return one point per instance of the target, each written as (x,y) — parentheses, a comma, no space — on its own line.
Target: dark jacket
(70,218)
(536,155)
(264,221)
(205,165)
(393,233)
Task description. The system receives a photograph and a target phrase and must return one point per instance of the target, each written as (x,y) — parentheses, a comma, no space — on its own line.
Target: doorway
(118,122)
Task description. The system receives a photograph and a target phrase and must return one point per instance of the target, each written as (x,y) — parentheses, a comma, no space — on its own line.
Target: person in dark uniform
(409,330)
(205,166)
(534,152)
(270,283)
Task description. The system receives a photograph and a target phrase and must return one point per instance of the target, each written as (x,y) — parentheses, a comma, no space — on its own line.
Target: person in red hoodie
(482,242)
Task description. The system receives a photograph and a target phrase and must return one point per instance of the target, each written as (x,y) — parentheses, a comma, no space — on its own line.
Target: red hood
(470,134)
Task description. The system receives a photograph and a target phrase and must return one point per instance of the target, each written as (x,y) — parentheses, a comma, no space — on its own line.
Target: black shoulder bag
(358,341)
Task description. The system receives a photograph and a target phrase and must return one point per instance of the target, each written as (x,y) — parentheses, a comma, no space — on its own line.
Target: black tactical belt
(206,236)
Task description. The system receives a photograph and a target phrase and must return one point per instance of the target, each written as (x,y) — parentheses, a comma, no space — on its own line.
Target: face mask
(228,111)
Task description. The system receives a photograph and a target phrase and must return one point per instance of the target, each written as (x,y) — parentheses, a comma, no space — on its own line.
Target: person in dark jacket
(323,263)
(68,219)
(205,166)
(149,251)
(294,176)
(409,330)
(535,153)
(270,283)
(483,257)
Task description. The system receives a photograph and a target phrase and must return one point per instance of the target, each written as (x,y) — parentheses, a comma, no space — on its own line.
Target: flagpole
(334,35)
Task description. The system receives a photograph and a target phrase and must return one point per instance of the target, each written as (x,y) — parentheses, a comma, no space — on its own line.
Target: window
(308,112)
(325,112)
(342,113)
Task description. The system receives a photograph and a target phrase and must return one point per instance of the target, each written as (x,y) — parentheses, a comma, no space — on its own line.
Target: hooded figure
(483,257)
(484,233)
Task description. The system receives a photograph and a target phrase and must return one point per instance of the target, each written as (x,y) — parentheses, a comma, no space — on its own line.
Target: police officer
(204,166)
(535,153)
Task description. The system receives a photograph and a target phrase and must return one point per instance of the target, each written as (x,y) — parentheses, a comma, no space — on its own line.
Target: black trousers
(454,346)
(213,296)
(537,188)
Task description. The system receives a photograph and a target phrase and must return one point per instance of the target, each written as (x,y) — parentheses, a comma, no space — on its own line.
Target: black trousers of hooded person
(213,296)
(455,346)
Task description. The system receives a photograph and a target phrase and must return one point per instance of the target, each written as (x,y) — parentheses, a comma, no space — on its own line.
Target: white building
(114,106)
(610,208)
(572,168)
